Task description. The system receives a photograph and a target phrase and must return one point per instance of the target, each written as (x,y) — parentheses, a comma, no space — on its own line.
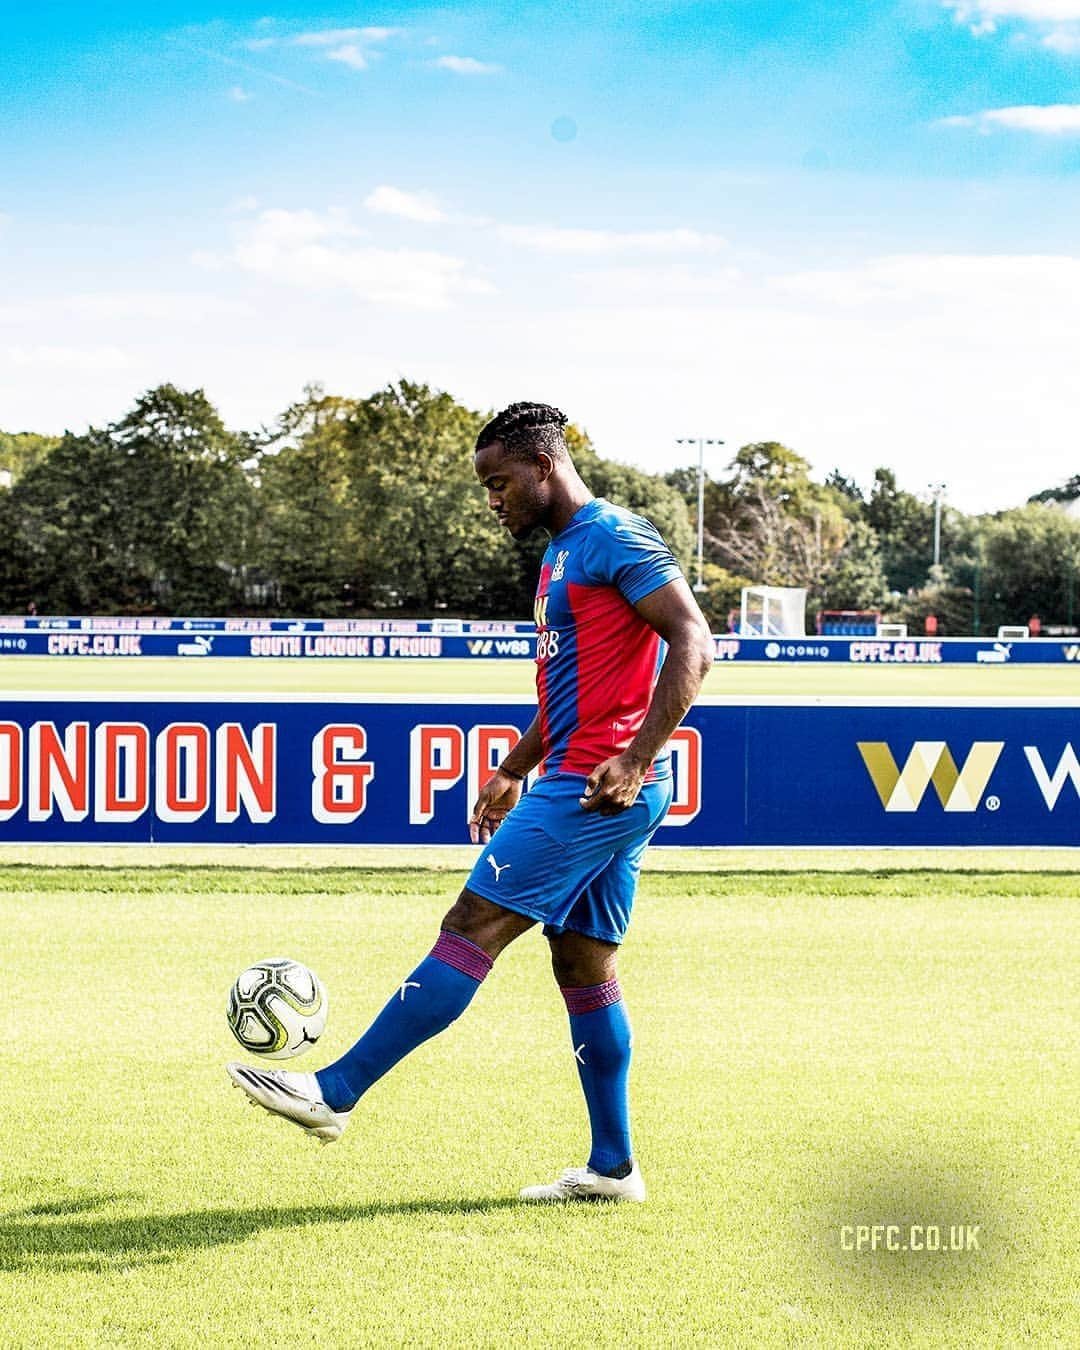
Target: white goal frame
(773,611)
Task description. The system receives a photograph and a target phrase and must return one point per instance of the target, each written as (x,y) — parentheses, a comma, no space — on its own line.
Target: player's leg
(432,996)
(586,972)
(584,954)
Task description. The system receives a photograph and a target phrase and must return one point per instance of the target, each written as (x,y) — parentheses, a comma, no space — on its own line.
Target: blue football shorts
(569,868)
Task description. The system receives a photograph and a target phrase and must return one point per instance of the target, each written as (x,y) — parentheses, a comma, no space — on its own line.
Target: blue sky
(856,231)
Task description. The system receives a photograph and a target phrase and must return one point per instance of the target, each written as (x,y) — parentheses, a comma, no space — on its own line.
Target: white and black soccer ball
(277,1008)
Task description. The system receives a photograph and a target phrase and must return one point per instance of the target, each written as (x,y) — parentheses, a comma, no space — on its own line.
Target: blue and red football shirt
(596,659)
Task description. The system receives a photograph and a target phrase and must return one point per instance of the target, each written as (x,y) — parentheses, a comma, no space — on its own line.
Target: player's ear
(545,465)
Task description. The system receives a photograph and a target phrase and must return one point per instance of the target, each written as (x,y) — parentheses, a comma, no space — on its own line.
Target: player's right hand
(498,797)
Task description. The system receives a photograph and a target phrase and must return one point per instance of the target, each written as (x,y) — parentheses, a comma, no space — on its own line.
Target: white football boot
(294,1096)
(582,1183)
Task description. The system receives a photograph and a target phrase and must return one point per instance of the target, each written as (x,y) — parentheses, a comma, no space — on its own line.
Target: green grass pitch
(814,1049)
(822,1043)
(198,675)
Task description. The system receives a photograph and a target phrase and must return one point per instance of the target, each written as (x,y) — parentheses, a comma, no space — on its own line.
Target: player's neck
(569,502)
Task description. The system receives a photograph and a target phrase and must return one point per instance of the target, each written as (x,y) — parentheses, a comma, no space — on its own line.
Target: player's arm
(671,611)
(501,792)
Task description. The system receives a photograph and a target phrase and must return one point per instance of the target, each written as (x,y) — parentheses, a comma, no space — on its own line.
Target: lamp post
(938,492)
(701,442)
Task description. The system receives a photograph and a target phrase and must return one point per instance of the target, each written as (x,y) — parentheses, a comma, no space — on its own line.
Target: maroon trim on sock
(457,951)
(591,998)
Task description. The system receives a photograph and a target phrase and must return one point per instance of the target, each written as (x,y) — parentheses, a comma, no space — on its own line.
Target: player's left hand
(613,785)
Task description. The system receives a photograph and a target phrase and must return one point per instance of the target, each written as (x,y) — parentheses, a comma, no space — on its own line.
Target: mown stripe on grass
(214,880)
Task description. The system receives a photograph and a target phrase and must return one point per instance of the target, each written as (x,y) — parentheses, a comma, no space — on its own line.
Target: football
(277,1008)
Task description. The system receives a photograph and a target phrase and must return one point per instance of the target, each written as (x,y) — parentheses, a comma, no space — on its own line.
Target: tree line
(360,506)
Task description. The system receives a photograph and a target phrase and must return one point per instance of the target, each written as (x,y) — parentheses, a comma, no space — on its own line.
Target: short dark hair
(526,429)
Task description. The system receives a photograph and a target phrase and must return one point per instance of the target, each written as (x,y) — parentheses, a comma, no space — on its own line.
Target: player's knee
(578,962)
(487,925)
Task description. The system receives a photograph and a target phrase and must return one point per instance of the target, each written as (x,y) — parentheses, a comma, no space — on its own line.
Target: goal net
(773,611)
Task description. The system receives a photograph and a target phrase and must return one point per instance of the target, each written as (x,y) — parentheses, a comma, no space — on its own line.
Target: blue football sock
(438,991)
(600,1035)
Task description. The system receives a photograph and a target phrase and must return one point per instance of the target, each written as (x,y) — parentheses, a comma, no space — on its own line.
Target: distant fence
(463,639)
(141,769)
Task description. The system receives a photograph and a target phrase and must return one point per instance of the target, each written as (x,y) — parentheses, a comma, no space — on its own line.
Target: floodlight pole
(701,442)
(938,491)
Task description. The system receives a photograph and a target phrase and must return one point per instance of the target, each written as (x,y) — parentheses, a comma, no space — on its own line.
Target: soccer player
(622,649)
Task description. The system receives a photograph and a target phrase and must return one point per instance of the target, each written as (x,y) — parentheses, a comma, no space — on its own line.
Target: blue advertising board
(407,646)
(301,771)
(464,640)
(153,623)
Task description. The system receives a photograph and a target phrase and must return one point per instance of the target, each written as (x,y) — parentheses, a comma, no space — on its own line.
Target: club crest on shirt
(560,564)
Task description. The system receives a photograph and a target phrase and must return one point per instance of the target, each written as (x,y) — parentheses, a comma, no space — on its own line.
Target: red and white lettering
(11,760)
(340,775)
(488,747)
(685,747)
(59,771)
(436,763)
(121,770)
(182,755)
(245,773)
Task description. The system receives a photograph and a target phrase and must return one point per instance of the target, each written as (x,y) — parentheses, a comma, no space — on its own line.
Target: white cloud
(977,282)
(990,12)
(955,368)
(304,248)
(260,44)
(239,95)
(352,47)
(1054,119)
(349,55)
(1056,19)
(107,307)
(88,359)
(555,239)
(655,284)
(392,201)
(466,65)
(1065,41)
(334,37)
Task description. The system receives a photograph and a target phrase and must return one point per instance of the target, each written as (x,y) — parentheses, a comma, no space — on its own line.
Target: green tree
(152,511)
(374,503)
(854,578)
(186,504)
(21,450)
(770,521)
(58,549)
(905,528)
(429,538)
(1031,556)
(951,606)
(774,468)
(722,596)
(310,529)
(1067,492)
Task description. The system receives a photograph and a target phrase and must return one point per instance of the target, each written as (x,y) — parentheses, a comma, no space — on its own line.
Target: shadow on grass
(107,1244)
(75,1204)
